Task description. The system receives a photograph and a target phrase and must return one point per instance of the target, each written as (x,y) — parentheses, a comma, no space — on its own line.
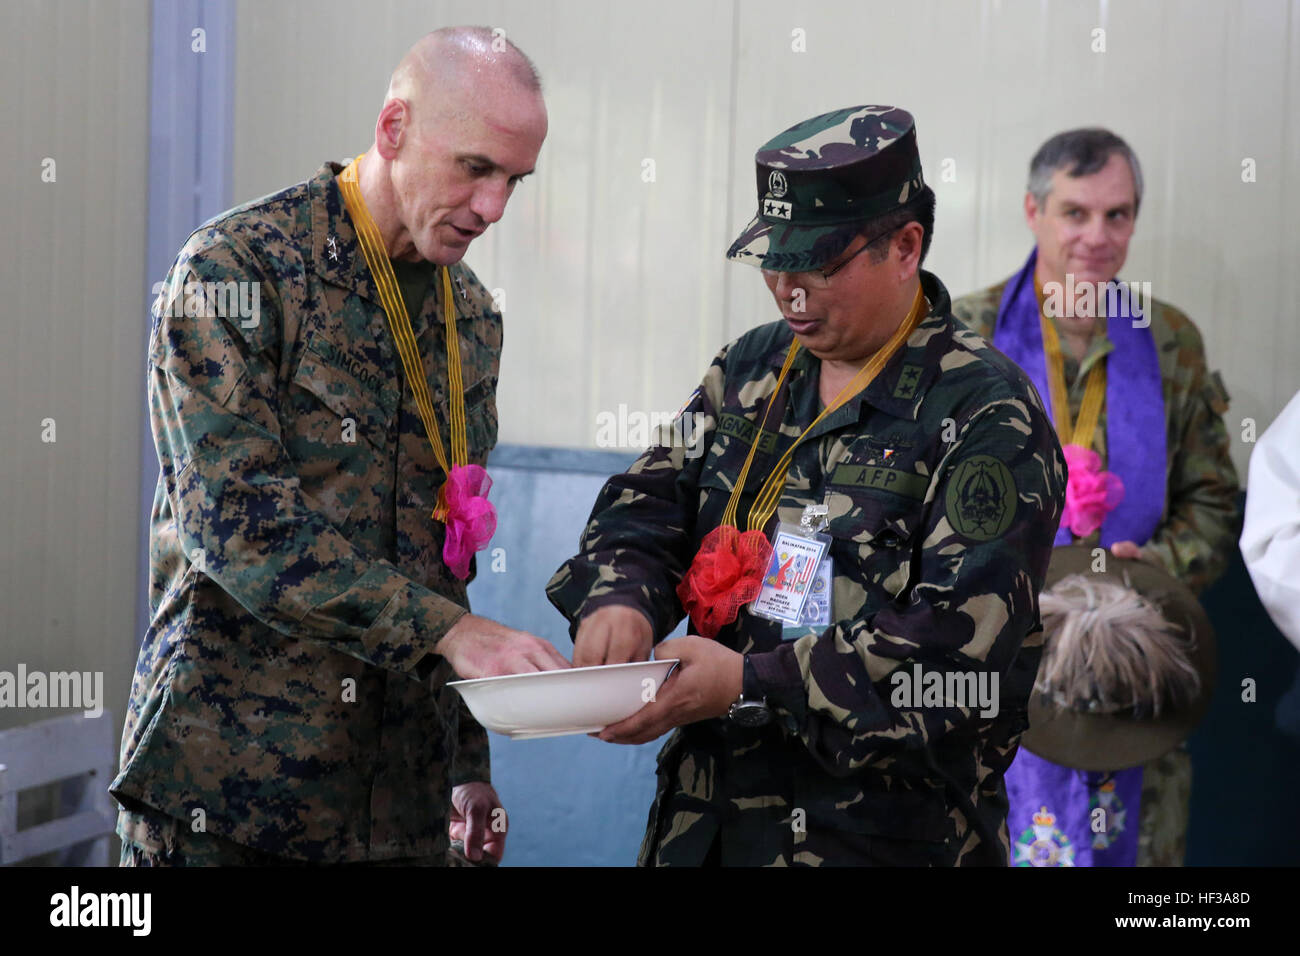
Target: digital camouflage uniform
(287,686)
(1198,530)
(160,840)
(945,484)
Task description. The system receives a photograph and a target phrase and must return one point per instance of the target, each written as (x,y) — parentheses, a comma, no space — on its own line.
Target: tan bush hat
(1128,663)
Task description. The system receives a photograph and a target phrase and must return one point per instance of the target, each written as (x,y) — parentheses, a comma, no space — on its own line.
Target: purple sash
(1053,815)
(1065,817)
(1135,404)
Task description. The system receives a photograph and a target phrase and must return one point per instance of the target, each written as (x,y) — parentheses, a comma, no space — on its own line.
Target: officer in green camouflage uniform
(289,701)
(1085,190)
(944,483)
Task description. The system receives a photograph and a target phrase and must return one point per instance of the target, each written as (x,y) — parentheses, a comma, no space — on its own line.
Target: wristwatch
(749,711)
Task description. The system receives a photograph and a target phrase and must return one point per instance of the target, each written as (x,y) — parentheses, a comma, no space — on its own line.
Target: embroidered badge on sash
(1043,844)
(1109,824)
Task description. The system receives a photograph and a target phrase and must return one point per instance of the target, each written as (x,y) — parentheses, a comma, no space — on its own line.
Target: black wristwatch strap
(750,687)
(751,710)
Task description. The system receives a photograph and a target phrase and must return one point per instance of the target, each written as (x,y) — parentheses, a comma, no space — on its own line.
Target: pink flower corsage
(1090,493)
(471,519)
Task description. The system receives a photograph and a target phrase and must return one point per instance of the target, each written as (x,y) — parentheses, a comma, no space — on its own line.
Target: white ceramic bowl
(580,700)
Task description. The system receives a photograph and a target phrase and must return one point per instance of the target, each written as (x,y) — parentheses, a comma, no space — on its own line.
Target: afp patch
(981,498)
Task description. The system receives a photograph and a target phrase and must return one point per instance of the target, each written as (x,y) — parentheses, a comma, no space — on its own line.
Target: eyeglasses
(821,278)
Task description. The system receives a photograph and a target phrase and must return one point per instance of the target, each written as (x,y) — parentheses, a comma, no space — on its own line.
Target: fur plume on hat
(1108,648)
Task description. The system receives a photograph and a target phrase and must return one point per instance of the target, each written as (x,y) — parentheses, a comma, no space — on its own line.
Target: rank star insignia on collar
(461,286)
(333,243)
(908,380)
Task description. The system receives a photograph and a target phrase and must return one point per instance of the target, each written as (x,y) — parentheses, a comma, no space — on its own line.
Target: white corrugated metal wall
(72,312)
(616,288)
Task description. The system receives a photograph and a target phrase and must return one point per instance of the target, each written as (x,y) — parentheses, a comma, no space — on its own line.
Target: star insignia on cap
(777,209)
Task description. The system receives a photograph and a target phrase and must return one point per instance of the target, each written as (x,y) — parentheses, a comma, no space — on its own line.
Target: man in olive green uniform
(1084,191)
(289,702)
(874,727)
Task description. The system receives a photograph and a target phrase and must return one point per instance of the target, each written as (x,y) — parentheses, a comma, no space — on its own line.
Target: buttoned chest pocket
(874,538)
(479,338)
(480,417)
(716,482)
(724,463)
(339,428)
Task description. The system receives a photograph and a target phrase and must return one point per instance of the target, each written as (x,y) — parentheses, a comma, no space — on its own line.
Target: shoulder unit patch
(981,498)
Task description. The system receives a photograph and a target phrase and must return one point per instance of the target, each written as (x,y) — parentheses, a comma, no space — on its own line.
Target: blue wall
(573,801)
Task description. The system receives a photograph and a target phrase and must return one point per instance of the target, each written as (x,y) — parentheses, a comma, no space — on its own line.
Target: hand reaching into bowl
(613,634)
(479,647)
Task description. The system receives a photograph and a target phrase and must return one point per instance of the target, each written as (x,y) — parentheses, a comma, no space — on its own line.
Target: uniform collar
(1099,346)
(336,255)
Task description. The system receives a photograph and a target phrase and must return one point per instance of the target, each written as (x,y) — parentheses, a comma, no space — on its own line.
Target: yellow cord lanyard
(1082,431)
(769,494)
(390,296)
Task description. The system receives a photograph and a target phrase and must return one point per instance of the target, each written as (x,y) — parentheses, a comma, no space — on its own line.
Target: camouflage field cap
(822,179)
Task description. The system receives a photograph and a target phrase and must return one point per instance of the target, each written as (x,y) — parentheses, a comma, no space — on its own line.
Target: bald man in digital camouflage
(289,702)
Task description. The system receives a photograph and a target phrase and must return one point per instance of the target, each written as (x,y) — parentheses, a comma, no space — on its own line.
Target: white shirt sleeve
(1270,536)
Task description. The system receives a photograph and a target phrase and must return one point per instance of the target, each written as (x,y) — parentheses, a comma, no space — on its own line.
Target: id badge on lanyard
(796,589)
